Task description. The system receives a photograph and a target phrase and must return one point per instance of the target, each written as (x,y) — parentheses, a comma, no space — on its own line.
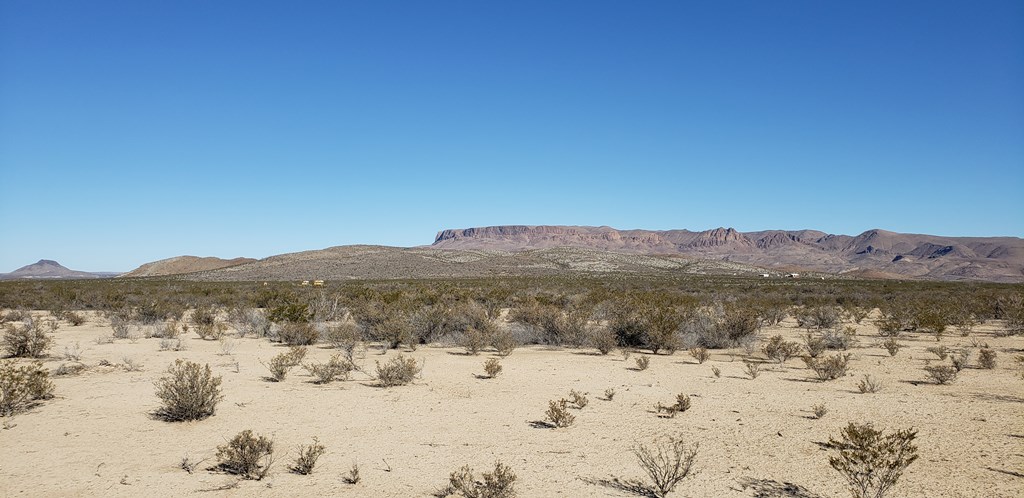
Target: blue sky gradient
(134,131)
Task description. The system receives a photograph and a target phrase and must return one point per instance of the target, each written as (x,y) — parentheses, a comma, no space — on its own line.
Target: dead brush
(941,374)
(682,404)
(499,483)
(987,358)
(22,387)
(642,363)
(752,368)
(666,462)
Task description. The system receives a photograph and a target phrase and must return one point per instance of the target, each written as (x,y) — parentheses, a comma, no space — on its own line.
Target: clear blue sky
(134,131)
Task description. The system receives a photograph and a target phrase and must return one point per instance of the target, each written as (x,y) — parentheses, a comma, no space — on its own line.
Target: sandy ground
(757,437)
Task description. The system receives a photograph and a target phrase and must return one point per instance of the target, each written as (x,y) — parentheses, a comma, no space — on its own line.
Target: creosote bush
(188,392)
(31,339)
(558,413)
(397,371)
(839,338)
(500,483)
(870,461)
(22,386)
(667,462)
(492,367)
(298,333)
(247,455)
(308,455)
(603,339)
(814,344)
(869,385)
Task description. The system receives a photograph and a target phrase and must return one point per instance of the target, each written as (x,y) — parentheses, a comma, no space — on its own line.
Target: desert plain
(757,436)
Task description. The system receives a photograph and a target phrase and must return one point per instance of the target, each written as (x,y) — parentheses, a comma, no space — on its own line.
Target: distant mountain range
(519,250)
(46,269)
(874,253)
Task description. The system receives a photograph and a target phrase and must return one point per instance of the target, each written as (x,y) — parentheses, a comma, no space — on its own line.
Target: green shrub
(558,413)
(814,344)
(870,461)
(282,363)
(188,392)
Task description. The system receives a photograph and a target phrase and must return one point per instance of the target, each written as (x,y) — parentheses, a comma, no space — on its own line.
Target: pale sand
(97,437)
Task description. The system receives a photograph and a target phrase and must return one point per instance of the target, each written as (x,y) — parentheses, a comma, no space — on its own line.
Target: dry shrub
(941,374)
(335,368)
(642,363)
(473,340)
(717,372)
(31,339)
(298,334)
(121,326)
(579,399)
(188,392)
(558,413)
(246,455)
(892,346)
(819,410)
(212,332)
(166,330)
(818,317)
(869,385)
(497,484)
(722,327)
(345,336)
(667,463)
(492,368)
(700,354)
(829,368)
(249,321)
(987,358)
(282,363)
(752,368)
(961,359)
(503,342)
(839,338)
(172,345)
(780,350)
(870,461)
(75,319)
(603,339)
(941,352)
(308,455)
(398,371)
(609,394)
(22,386)
(814,344)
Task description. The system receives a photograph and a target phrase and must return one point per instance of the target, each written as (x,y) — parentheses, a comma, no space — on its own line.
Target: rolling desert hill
(874,252)
(49,269)
(183,264)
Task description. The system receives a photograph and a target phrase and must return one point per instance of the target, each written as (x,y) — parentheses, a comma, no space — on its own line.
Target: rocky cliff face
(874,251)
